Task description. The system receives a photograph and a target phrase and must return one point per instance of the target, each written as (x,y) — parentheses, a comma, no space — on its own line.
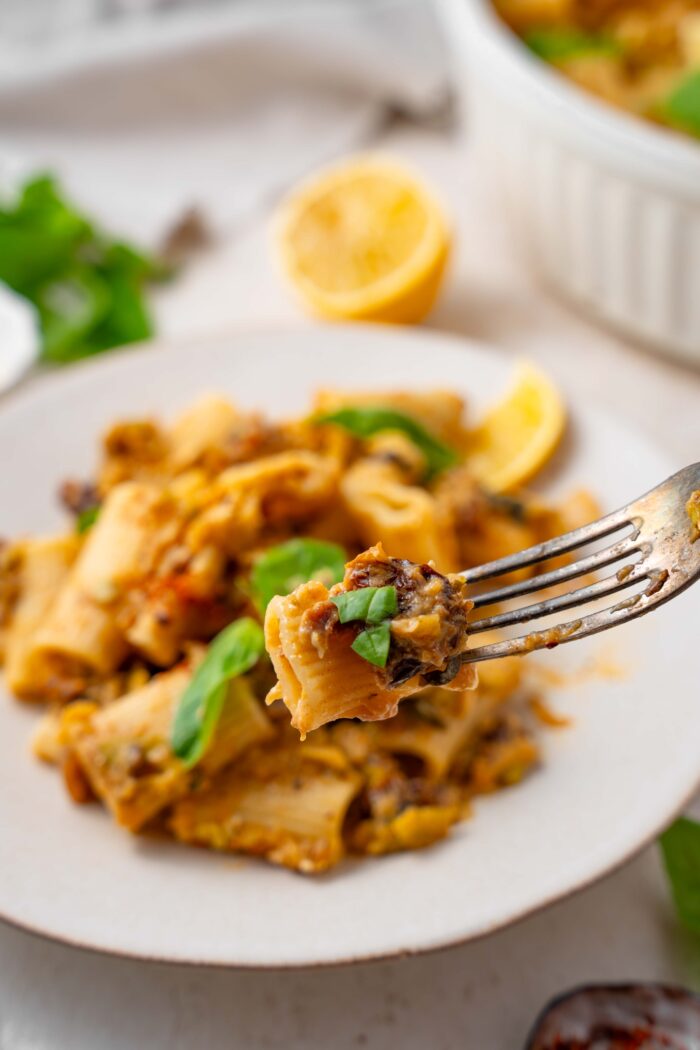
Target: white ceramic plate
(607,785)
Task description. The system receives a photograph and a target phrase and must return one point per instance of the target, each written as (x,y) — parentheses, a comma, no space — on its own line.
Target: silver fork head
(659,530)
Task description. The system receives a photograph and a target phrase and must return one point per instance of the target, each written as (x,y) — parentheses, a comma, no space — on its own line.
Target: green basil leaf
(369,604)
(283,568)
(39,236)
(560,43)
(86,519)
(373,644)
(366,420)
(233,652)
(127,319)
(88,288)
(70,308)
(682,107)
(680,846)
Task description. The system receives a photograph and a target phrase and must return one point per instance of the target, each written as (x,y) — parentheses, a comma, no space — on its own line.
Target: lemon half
(365,240)
(519,434)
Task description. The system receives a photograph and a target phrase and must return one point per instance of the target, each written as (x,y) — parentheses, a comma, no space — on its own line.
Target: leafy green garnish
(374,606)
(233,652)
(682,107)
(283,568)
(366,420)
(680,846)
(373,644)
(559,43)
(86,519)
(370,604)
(88,288)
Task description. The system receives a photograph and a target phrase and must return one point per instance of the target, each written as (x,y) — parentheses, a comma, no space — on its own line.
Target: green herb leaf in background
(283,568)
(373,644)
(560,43)
(88,288)
(364,421)
(682,107)
(370,604)
(86,519)
(680,846)
(233,652)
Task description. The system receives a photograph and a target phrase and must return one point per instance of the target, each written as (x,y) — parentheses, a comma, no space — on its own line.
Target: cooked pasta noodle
(142,629)
(45,564)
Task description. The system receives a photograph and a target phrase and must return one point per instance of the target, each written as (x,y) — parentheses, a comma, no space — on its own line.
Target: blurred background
(178,127)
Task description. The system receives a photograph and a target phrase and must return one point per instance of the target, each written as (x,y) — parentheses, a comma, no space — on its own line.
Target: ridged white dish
(609,206)
(607,785)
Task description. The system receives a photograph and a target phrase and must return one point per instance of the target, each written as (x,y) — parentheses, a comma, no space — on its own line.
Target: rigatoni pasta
(342,531)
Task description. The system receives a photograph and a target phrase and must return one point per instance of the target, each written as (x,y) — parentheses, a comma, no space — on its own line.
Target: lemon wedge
(519,434)
(364,240)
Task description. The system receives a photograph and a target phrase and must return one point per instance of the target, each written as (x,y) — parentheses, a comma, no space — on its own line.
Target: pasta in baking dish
(250,636)
(641,56)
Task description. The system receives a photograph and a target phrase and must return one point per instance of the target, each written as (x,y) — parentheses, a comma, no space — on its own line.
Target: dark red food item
(620,1017)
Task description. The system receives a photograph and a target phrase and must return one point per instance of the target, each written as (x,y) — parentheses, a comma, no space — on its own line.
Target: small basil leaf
(88,288)
(680,846)
(369,604)
(70,308)
(559,43)
(233,652)
(283,568)
(682,107)
(364,421)
(373,644)
(86,519)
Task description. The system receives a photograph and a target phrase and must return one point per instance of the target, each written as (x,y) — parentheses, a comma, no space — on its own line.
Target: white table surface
(481,996)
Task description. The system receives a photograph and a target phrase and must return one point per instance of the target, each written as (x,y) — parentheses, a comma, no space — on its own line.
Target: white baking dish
(609,206)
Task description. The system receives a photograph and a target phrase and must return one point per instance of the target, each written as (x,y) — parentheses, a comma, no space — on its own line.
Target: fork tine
(612,616)
(599,560)
(581,596)
(544,551)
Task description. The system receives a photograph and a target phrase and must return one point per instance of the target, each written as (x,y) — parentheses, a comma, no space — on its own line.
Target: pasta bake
(250,636)
(642,56)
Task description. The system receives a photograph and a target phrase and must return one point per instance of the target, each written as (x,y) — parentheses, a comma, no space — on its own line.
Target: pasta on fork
(414,640)
(250,636)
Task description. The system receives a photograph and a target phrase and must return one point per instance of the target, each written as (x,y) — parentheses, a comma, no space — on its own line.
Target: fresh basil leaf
(373,644)
(682,107)
(70,308)
(283,568)
(560,43)
(680,846)
(40,236)
(127,319)
(366,420)
(86,519)
(369,604)
(88,288)
(233,652)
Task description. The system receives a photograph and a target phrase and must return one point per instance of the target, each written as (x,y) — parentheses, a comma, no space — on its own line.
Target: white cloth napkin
(213,105)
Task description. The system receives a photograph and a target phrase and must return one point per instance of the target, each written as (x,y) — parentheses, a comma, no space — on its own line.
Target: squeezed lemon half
(364,240)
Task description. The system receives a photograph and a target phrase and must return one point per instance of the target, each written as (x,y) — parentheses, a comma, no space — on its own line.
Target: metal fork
(658,528)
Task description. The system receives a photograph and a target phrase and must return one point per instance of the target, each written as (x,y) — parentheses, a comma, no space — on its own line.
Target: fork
(658,528)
